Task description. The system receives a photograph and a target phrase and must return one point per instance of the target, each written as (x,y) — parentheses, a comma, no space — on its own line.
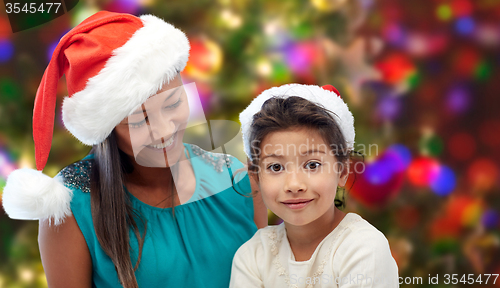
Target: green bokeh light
(482,71)
(9,90)
(444,12)
(431,145)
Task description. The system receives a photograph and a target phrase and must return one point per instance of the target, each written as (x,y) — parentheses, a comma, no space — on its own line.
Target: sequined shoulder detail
(217,160)
(77,175)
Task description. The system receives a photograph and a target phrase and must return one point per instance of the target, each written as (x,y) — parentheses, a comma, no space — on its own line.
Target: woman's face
(153,134)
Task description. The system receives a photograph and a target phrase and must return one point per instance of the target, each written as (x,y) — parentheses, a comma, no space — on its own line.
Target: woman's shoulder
(216,161)
(76,176)
(218,172)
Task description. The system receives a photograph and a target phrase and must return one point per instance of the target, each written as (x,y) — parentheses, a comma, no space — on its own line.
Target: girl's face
(298,175)
(152,135)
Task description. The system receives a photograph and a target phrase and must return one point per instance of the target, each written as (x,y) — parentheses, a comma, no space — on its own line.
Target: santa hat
(113,63)
(326,96)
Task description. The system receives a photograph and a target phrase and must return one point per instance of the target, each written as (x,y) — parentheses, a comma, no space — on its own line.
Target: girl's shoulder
(358,228)
(361,236)
(364,250)
(263,241)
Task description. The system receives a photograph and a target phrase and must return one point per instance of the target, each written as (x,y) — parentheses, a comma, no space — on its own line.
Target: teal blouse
(193,249)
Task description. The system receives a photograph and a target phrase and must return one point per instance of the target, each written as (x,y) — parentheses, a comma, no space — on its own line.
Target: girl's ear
(253,175)
(344,174)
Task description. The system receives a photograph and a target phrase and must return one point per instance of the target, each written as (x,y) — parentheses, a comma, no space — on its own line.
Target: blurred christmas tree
(421,78)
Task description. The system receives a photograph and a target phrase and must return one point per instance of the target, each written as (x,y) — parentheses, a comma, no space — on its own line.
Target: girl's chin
(300,220)
(297,222)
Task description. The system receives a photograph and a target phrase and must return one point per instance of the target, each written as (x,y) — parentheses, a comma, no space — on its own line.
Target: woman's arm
(65,255)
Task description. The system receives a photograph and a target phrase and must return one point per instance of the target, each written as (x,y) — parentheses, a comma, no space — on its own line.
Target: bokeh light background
(421,77)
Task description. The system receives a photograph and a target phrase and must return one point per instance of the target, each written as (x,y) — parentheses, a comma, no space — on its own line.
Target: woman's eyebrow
(172,93)
(169,96)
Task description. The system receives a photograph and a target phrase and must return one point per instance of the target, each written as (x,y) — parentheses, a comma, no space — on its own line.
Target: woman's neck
(155,186)
(304,239)
(150,176)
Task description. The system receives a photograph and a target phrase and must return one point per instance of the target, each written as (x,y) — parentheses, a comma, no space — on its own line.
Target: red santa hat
(113,63)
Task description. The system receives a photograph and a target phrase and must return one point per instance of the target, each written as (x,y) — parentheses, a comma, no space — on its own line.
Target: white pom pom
(30,195)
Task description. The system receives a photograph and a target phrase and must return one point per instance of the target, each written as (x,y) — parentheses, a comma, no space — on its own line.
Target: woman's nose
(294,182)
(162,128)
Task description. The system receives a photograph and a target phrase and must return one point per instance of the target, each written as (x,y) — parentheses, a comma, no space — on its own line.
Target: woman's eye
(137,124)
(313,165)
(175,105)
(275,167)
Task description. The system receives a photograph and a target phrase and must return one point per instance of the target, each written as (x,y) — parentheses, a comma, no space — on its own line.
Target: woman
(143,209)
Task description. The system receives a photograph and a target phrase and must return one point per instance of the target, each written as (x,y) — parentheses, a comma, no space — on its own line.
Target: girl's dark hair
(112,213)
(279,114)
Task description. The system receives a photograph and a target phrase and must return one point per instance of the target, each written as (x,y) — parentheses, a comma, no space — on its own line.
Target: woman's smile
(167,145)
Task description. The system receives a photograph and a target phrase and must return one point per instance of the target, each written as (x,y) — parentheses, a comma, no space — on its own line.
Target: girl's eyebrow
(311,151)
(169,96)
(271,155)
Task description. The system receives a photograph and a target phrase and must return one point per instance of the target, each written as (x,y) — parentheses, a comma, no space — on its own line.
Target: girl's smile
(297,203)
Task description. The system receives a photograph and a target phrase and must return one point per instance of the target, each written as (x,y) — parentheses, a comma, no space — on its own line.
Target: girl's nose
(294,182)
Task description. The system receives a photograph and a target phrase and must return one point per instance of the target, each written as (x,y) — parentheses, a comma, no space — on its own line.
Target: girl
(108,220)
(298,139)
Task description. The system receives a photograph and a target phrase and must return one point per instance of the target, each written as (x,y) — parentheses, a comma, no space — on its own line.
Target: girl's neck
(304,239)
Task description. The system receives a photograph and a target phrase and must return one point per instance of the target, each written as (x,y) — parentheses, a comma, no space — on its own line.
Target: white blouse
(354,254)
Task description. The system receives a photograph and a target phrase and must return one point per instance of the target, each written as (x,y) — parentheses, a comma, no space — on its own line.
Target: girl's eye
(137,124)
(175,105)
(313,165)
(275,167)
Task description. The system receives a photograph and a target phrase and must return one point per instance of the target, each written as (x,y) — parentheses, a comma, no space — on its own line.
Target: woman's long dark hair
(112,213)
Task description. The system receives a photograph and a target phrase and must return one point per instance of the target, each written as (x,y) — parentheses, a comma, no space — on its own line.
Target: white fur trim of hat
(316,94)
(154,55)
